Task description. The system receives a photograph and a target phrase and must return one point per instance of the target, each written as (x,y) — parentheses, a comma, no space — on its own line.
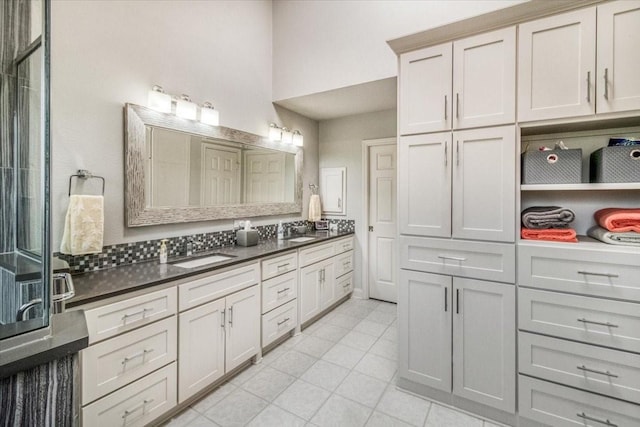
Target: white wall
(322,45)
(341,145)
(108,53)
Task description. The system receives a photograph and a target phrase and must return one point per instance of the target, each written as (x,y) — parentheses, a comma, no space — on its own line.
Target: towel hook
(85,174)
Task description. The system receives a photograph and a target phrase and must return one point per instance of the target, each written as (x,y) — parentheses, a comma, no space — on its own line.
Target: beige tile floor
(339,372)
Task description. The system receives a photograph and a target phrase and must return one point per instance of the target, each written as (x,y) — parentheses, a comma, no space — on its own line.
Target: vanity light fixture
(209,115)
(159,100)
(275,133)
(287,136)
(185,108)
(298,139)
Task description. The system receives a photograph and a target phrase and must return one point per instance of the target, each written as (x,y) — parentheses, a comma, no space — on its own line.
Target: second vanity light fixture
(284,135)
(185,108)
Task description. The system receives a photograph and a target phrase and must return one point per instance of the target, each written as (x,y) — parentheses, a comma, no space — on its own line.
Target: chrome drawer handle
(135,356)
(283,290)
(453,258)
(137,408)
(137,313)
(284,321)
(346,285)
(595,371)
(589,273)
(610,325)
(222,317)
(281,266)
(605,422)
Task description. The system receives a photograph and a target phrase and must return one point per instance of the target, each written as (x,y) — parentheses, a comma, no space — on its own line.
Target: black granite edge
(185,273)
(69,335)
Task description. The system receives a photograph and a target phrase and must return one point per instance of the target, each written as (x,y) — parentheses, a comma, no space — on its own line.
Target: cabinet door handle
(135,356)
(606,84)
(445,154)
(595,371)
(457,301)
(446,302)
(137,313)
(589,273)
(284,321)
(231,316)
(610,325)
(222,314)
(136,408)
(589,86)
(605,422)
(457,153)
(445,107)
(453,258)
(457,106)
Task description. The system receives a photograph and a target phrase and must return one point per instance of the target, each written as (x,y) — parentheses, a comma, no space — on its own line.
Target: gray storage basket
(552,167)
(615,164)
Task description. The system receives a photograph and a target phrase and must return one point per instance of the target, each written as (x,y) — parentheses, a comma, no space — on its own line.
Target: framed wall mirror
(178,170)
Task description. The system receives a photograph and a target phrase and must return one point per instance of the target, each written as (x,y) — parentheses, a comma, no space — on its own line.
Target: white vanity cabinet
(325,276)
(558,72)
(458,336)
(459,85)
(458,185)
(220,335)
(279,296)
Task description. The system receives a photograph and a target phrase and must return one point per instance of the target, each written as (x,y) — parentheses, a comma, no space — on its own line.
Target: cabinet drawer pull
(282,322)
(283,266)
(137,408)
(606,84)
(589,273)
(605,422)
(135,356)
(283,290)
(137,313)
(453,258)
(610,325)
(595,371)
(346,285)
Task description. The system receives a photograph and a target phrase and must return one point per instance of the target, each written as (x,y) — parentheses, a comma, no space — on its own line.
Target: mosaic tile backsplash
(148,250)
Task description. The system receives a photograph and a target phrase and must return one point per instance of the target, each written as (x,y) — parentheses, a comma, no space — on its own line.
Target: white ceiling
(368,97)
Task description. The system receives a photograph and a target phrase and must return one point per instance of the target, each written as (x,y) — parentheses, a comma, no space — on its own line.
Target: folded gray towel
(541,217)
(629,238)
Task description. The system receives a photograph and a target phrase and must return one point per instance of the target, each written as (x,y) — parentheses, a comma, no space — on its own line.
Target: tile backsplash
(148,250)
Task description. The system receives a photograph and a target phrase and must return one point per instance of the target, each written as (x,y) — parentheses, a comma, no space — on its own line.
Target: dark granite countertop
(22,267)
(68,335)
(102,284)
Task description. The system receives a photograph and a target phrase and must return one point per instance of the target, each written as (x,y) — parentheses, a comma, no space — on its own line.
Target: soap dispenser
(280,231)
(163,251)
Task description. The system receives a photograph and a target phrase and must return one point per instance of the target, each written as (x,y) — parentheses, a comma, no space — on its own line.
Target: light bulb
(185,108)
(287,136)
(208,115)
(158,100)
(298,139)
(275,133)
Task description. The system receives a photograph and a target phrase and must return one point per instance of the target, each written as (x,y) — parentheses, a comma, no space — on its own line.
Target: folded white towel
(84,225)
(625,238)
(315,209)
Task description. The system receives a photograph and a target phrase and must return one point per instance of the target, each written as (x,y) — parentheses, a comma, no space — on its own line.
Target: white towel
(315,210)
(83,226)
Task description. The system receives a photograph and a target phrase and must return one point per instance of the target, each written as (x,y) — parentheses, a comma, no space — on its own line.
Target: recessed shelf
(581,187)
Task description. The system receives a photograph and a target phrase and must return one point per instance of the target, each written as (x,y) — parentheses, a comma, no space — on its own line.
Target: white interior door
(382,222)
(220,176)
(169,168)
(264,177)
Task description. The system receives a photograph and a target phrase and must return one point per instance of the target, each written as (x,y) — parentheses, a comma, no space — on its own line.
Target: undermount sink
(199,262)
(301,239)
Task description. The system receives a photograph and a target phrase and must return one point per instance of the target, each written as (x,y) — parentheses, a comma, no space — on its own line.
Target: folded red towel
(551,234)
(618,219)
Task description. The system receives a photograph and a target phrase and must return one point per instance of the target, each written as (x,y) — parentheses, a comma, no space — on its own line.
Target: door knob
(371,228)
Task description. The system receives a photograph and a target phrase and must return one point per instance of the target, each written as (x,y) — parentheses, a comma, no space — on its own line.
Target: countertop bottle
(163,251)
(280,231)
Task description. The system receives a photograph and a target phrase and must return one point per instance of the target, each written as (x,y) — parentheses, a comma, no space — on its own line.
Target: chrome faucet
(190,245)
(23,311)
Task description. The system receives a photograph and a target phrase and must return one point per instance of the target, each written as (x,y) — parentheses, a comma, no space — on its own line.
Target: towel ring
(85,174)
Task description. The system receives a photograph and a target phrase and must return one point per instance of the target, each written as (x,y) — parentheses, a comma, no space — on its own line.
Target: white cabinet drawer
(316,253)
(137,404)
(279,290)
(344,263)
(609,323)
(344,285)
(559,406)
(476,260)
(611,274)
(343,245)
(601,370)
(217,285)
(122,316)
(111,364)
(279,322)
(276,266)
